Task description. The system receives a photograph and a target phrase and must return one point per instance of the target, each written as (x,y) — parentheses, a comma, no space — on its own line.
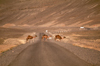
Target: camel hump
(44,35)
(35,35)
(29,35)
(58,37)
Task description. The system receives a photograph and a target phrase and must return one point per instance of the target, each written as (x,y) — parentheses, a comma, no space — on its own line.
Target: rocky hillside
(50,13)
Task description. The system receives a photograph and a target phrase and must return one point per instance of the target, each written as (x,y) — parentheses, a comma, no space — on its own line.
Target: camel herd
(45,37)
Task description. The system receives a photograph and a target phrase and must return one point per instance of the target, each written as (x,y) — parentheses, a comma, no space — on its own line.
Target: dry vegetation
(87,34)
(10,38)
(83,38)
(88,38)
(10,33)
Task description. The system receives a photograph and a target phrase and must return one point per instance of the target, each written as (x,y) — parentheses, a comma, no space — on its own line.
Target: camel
(45,37)
(30,37)
(58,37)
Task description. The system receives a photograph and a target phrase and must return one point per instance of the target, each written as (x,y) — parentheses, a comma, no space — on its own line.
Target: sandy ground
(13,42)
(8,56)
(46,53)
(82,38)
(10,38)
(87,39)
(88,55)
(50,13)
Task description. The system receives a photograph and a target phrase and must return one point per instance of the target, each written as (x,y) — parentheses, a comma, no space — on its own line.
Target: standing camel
(58,37)
(45,37)
(30,37)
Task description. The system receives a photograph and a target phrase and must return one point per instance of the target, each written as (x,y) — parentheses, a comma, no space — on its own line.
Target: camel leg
(33,39)
(42,38)
(46,39)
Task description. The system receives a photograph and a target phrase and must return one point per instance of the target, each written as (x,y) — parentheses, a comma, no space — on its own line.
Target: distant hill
(50,13)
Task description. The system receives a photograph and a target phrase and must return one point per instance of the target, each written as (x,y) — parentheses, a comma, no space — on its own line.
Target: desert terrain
(77,20)
(80,37)
(10,38)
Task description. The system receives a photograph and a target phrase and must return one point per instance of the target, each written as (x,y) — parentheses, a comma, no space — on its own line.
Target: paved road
(46,53)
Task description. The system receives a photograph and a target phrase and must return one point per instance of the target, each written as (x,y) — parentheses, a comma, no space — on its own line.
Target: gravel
(88,55)
(8,56)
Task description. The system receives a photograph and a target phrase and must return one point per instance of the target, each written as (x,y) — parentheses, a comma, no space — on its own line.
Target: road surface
(46,53)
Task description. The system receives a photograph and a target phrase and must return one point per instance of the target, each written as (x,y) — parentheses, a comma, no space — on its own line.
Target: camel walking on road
(58,37)
(30,37)
(45,37)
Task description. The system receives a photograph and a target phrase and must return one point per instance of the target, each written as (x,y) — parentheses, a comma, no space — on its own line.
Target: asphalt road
(46,53)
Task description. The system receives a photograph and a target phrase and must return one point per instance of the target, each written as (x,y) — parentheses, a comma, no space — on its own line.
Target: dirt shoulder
(10,43)
(8,56)
(86,49)
(10,37)
(86,38)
